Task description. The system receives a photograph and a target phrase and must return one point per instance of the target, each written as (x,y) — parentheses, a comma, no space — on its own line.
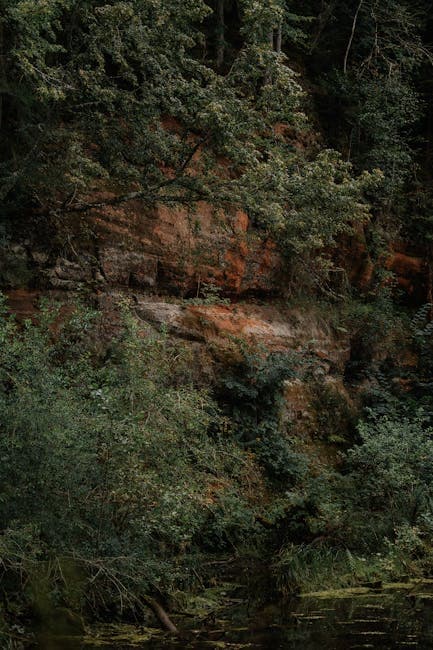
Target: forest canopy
(176,102)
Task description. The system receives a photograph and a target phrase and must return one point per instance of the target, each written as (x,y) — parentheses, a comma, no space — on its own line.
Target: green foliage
(260,18)
(80,67)
(318,569)
(309,205)
(371,522)
(117,471)
(373,100)
(208,294)
(118,98)
(315,569)
(251,394)
(378,329)
(107,460)
(323,201)
(396,456)
(383,113)
(97,85)
(422,334)
(335,418)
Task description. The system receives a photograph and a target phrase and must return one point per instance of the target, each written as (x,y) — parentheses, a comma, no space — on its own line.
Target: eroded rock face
(222,330)
(411,273)
(23,302)
(161,250)
(173,250)
(409,269)
(265,326)
(320,414)
(155,257)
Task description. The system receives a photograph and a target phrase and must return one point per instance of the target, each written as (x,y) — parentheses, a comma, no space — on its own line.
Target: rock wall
(163,250)
(160,259)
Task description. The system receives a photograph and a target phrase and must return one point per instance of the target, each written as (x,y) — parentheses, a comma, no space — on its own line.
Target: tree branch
(151,195)
(161,614)
(349,45)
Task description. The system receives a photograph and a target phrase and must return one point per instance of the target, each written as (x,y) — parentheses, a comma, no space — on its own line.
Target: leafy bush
(334,414)
(251,393)
(378,329)
(389,484)
(107,462)
(310,203)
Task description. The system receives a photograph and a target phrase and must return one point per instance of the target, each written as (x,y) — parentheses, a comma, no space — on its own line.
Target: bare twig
(349,45)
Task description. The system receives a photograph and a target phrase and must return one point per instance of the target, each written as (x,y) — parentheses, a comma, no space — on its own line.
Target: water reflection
(394,618)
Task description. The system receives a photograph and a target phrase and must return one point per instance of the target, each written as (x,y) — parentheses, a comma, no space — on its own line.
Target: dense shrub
(106,461)
(251,393)
(390,480)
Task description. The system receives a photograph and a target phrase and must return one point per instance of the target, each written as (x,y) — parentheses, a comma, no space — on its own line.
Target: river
(394,616)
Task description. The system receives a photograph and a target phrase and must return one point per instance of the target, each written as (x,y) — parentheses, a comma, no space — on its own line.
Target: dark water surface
(393,617)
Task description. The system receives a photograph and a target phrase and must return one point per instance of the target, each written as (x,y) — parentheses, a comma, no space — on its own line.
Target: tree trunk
(279,38)
(271,39)
(220,33)
(2,72)
(324,16)
(161,614)
(268,76)
(349,45)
